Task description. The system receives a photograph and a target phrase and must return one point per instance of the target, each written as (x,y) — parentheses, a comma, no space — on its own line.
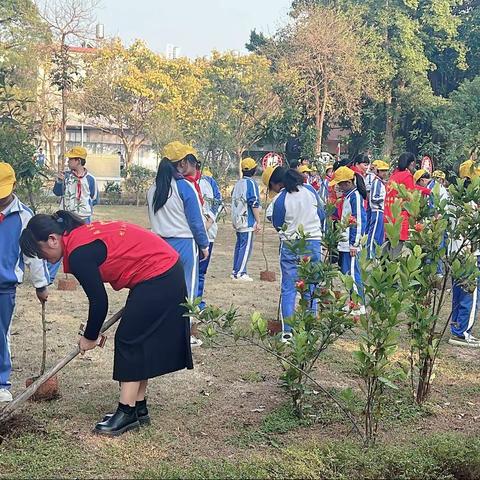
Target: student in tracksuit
(353,212)
(78,191)
(245,218)
(465,304)
(296,205)
(14,216)
(175,210)
(376,201)
(213,201)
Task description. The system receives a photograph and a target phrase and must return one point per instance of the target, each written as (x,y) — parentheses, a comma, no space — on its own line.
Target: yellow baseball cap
(248,164)
(439,174)
(207,172)
(468,170)
(342,174)
(267,175)
(7,179)
(77,152)
(419,174)
(176,151)
(381,165)
(304,169)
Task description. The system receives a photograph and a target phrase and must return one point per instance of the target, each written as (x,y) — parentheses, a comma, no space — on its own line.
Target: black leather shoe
(123,420)
(142,414)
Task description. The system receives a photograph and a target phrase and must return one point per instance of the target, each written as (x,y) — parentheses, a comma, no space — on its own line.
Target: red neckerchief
(79,183)
(2,217)
(194,179)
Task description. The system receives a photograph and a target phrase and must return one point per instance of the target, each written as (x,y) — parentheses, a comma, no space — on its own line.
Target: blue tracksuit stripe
(92,184)
(193,212)
(465,306)
(289,269)
(7,306)
(253,200)
(216,194)
(279,212)
(243,251)
(358,228)
(188,251)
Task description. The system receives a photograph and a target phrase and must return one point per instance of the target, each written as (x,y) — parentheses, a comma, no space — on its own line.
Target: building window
(74,136)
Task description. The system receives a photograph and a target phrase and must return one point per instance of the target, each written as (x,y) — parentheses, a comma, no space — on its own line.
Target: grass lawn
(228,418)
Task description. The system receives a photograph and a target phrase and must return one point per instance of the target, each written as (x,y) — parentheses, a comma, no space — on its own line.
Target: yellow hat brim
(6,190)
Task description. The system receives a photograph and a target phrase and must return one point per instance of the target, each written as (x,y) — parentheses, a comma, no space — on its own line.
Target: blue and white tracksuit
(77,199)
(245,197)
(465,304)
(353,206)
(12,265)
(376,229)
(439,189)
(288,212)
(213,201)
(79,196)
(180,222)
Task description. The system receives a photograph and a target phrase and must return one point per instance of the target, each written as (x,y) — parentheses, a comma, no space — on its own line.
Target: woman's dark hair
(249,173)
(425,175)
(278,175)
(360,183)
(293,163)
(292,179)
(341,163)
(361,158)
(41,226)
(405,159)
(163,182)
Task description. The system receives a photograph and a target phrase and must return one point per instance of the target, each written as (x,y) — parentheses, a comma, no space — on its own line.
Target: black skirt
(153,337)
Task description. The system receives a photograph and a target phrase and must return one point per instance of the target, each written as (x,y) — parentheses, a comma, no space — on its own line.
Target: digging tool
(28,392)
(266,275)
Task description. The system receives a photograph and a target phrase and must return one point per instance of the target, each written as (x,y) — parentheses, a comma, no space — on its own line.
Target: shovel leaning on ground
(28,392)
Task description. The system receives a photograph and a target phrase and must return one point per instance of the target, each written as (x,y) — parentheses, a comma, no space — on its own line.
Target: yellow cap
(207,172)
(342,174)
(267,175)
(468,170)
(248,163)
(381,165)
(77,152)
(304,169)
(439,174)
(419,174)
(176,151)
(7,179)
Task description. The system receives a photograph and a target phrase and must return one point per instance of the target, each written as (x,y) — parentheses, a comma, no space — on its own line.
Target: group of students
(363,194)
(164,266)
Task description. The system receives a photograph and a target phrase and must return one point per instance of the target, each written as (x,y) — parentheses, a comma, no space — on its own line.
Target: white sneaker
(233,277)
(466,341)
(195,342)
(5,395)
(286,337)
(245,278)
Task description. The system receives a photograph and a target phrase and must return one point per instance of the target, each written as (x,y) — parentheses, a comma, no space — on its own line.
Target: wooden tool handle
(28,392)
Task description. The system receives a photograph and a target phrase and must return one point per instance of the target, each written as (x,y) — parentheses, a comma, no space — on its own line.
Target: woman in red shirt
(403,175)
(153,337)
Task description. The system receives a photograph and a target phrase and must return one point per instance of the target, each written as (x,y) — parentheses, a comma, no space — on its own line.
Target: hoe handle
(28,392)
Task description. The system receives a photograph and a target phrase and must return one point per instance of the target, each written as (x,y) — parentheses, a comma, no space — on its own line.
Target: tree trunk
(389,127)
(239,154)
(320,108)
(51,152)
(63,133)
